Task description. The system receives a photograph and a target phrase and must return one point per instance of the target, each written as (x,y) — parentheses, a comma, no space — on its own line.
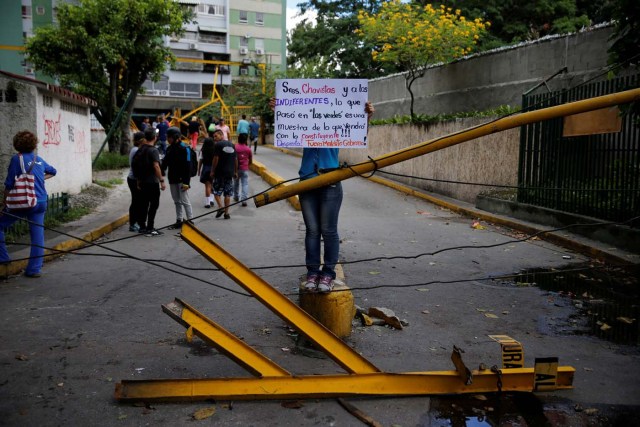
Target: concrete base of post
(334,310)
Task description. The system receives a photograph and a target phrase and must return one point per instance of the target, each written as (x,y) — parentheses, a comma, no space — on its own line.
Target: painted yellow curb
(273,179)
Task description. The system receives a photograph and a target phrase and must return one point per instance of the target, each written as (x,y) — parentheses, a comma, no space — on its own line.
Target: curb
(273,179)
(16,267)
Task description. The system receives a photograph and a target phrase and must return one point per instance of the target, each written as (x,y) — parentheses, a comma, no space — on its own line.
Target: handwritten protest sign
(321,113)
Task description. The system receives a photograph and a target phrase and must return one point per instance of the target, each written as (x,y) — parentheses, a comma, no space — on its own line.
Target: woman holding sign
(320,211)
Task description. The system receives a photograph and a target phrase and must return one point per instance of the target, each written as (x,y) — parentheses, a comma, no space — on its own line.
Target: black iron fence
(596,175)
(57,206)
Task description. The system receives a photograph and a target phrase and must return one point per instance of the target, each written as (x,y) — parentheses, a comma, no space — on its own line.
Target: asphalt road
(95,318)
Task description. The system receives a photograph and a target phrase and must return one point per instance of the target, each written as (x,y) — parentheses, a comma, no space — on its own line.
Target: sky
(293,10)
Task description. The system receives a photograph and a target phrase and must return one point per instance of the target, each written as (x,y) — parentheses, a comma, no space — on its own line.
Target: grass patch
(110,183)
(71,215)
(110,161)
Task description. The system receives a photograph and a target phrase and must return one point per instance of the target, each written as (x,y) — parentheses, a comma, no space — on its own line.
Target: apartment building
(241,32)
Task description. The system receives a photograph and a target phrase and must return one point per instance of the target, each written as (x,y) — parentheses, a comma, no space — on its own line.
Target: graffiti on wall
(51,131)
(78,139)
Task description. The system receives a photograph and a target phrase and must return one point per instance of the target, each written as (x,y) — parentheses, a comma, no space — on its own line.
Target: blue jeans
(320,210)
(241,181)
(36,230)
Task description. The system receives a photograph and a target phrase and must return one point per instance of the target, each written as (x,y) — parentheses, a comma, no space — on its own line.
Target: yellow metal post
(330,386)
(448,141)
(214,334)
(335,348)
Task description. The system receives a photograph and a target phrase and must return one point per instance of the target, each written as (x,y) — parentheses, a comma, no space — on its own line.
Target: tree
(330,47)
(415,36)
(519,20)
(106,49)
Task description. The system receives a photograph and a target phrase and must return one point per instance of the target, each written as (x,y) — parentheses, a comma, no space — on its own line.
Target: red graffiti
(80,140)
(51,131)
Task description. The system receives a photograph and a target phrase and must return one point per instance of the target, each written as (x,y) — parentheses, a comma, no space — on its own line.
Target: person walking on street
(162,126)
(223,169)
(243,127)
(132,183)
(205,160)
(25,143)
(226,132)
(254,130)
(245,158)
(178,163)
(194,131)
(146,169)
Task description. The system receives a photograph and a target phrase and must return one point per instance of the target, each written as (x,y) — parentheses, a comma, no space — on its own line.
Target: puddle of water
(483,410)
(609,298)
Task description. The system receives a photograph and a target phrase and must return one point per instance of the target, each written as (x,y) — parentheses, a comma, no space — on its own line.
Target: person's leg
(5,222)
(310,207)
(244,182)
(186,203)
(143,206)
(154,203)
(255,145)
(329,212)
(227,191)
(36,230)
(236,187)
(177,201)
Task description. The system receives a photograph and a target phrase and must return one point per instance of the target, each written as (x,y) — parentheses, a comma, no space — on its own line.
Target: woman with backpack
(26,162)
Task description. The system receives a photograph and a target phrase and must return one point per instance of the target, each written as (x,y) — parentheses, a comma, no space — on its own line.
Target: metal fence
(57,206)
(596,175)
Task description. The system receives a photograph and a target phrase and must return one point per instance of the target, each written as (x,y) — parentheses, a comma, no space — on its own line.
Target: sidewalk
(275,165)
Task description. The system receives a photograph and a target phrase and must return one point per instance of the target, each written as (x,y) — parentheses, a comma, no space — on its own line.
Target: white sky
(293,10)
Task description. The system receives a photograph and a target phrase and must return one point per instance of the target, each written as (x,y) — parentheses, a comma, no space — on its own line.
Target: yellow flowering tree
(413,36)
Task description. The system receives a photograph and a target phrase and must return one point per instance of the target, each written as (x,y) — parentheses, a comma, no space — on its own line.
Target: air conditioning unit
(244,71)
(244,51)
(259,52)
(193,45)
(246,61)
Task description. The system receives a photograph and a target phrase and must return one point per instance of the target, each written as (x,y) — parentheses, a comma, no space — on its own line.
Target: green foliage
(110,183)
(110,161)
(519,20)
(104,49)
(414,36)
(425,119)
(330,48)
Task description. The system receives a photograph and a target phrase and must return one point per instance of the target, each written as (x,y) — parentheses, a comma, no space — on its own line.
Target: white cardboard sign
(321,113)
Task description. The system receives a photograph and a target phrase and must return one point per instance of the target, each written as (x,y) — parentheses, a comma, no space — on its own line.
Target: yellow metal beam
(282,306)
(214,334)
(448,141)
(329,386)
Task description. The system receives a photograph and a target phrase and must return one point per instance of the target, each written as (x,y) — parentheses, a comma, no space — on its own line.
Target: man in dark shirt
(223,170)
(178,162)
(148,176)
(162,128)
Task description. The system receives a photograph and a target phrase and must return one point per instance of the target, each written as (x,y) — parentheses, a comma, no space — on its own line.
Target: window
(186,90)
(10,95)
(211,9)
(259,46)
(244,42)
(259,18)
(26,12)
(47,101)
(40,10)
(244,17)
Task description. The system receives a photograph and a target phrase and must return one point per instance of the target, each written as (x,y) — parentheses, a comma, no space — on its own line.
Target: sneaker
(311,285)
(135,228)
(33,275)
(244,204)
(219,213)
(207,206)
(153,233)
(325,284)
(176,226)
(227,216)
(143,230)
(236,199)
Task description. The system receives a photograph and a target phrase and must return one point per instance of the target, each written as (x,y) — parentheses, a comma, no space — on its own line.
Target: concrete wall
(492,159)
(63,127)
(494,78)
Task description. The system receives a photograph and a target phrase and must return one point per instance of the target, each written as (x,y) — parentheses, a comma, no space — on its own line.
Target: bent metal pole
(430,146)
